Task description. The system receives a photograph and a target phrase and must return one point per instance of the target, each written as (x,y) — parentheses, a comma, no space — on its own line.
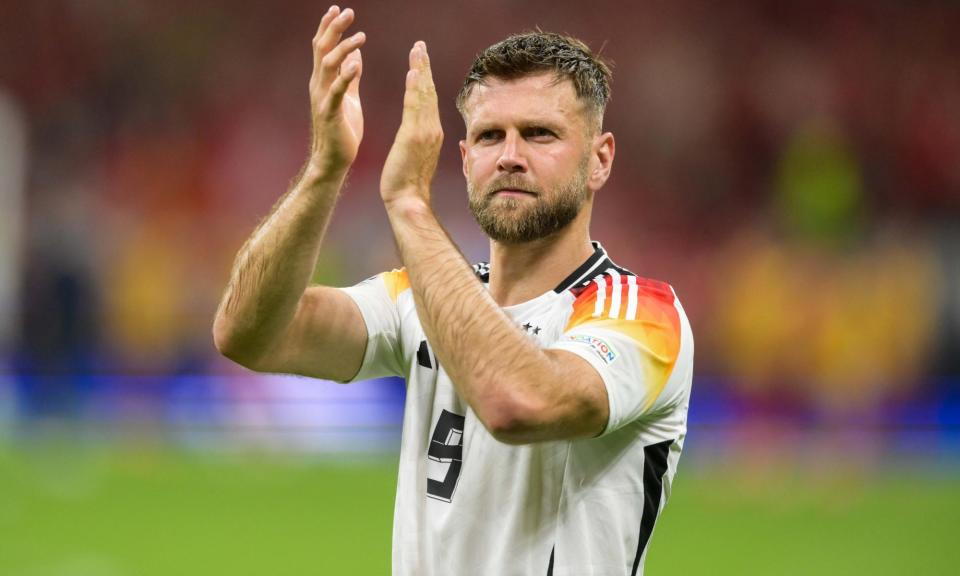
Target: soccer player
(547,391)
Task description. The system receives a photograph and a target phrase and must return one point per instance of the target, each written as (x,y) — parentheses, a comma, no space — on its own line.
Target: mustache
(511,182)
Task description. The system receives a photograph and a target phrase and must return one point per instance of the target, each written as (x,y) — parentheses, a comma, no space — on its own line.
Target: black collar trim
(584,270)
(594,264)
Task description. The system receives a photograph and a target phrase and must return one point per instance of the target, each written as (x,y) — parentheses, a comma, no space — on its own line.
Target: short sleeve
(377,299)
(630,330)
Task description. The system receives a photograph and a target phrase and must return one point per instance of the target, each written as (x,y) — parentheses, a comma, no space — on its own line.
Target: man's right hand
(337,118)
(270,319)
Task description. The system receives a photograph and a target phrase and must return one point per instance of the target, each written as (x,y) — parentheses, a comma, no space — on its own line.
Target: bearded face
(531,214)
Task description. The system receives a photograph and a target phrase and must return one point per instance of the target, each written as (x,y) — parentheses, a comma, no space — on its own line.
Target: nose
(511,158)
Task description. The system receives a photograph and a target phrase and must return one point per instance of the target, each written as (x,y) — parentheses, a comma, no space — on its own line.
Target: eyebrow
(551,125)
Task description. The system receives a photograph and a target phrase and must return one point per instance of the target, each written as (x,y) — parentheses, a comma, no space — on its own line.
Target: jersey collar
(583,272)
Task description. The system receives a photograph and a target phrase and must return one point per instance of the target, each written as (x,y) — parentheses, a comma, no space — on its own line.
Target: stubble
(519,220)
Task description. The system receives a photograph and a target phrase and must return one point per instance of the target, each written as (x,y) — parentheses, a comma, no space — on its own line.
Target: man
(547,392)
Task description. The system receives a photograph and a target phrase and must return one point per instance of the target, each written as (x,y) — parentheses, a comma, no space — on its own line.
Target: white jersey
(468,504)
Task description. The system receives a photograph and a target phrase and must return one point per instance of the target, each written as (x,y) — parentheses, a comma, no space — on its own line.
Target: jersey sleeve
(630,330)
(377,299)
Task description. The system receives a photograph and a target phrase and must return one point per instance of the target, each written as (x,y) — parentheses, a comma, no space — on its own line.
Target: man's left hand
(412,161)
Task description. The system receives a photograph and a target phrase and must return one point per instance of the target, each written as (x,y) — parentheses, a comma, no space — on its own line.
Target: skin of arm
(269,319)
(520,392)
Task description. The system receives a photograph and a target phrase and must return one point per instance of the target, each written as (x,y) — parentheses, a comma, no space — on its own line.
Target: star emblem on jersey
(528,327)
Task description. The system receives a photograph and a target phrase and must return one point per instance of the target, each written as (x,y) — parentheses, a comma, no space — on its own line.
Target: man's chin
(518,220)
(512,231)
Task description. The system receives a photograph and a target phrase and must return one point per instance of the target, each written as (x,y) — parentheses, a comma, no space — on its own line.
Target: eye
(489,136)
(539,134)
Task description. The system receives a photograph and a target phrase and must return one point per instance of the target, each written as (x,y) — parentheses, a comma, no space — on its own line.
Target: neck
(521,272)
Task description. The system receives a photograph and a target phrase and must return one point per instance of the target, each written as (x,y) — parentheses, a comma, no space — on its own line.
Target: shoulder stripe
(601,296)
(617,295)
(614,296)
(631,298)
(615,292)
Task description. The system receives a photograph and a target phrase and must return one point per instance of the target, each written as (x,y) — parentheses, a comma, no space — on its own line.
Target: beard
(520,220)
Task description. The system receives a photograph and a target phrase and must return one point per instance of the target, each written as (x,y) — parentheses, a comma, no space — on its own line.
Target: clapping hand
(336,116)
(412,160)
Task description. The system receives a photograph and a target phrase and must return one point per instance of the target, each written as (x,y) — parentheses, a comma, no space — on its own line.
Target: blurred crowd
(792,169)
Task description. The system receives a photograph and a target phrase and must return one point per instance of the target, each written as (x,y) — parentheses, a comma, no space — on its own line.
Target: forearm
(495,368)
(520,392)
(274,267)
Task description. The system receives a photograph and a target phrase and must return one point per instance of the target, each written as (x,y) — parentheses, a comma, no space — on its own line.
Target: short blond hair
(537,52)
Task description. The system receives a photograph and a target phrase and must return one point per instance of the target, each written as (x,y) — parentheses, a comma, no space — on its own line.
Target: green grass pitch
(155,511)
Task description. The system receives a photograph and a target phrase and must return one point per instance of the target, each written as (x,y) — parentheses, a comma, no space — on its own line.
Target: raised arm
(520,392)
(269,319)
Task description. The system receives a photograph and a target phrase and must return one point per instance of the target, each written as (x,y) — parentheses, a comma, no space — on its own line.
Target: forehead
(523,99)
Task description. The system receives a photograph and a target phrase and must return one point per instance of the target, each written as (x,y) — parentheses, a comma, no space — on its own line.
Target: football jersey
(468,504)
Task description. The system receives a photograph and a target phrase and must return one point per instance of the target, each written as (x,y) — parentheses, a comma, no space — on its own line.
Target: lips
(513,192)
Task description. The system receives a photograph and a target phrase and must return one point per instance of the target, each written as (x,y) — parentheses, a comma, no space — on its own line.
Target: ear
(463,158)
(601,161)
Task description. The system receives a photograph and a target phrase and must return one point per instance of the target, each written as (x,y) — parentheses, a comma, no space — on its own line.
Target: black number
(423,355)
(446,445)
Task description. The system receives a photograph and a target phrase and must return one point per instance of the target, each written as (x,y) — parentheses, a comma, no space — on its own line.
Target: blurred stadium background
(793,169)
